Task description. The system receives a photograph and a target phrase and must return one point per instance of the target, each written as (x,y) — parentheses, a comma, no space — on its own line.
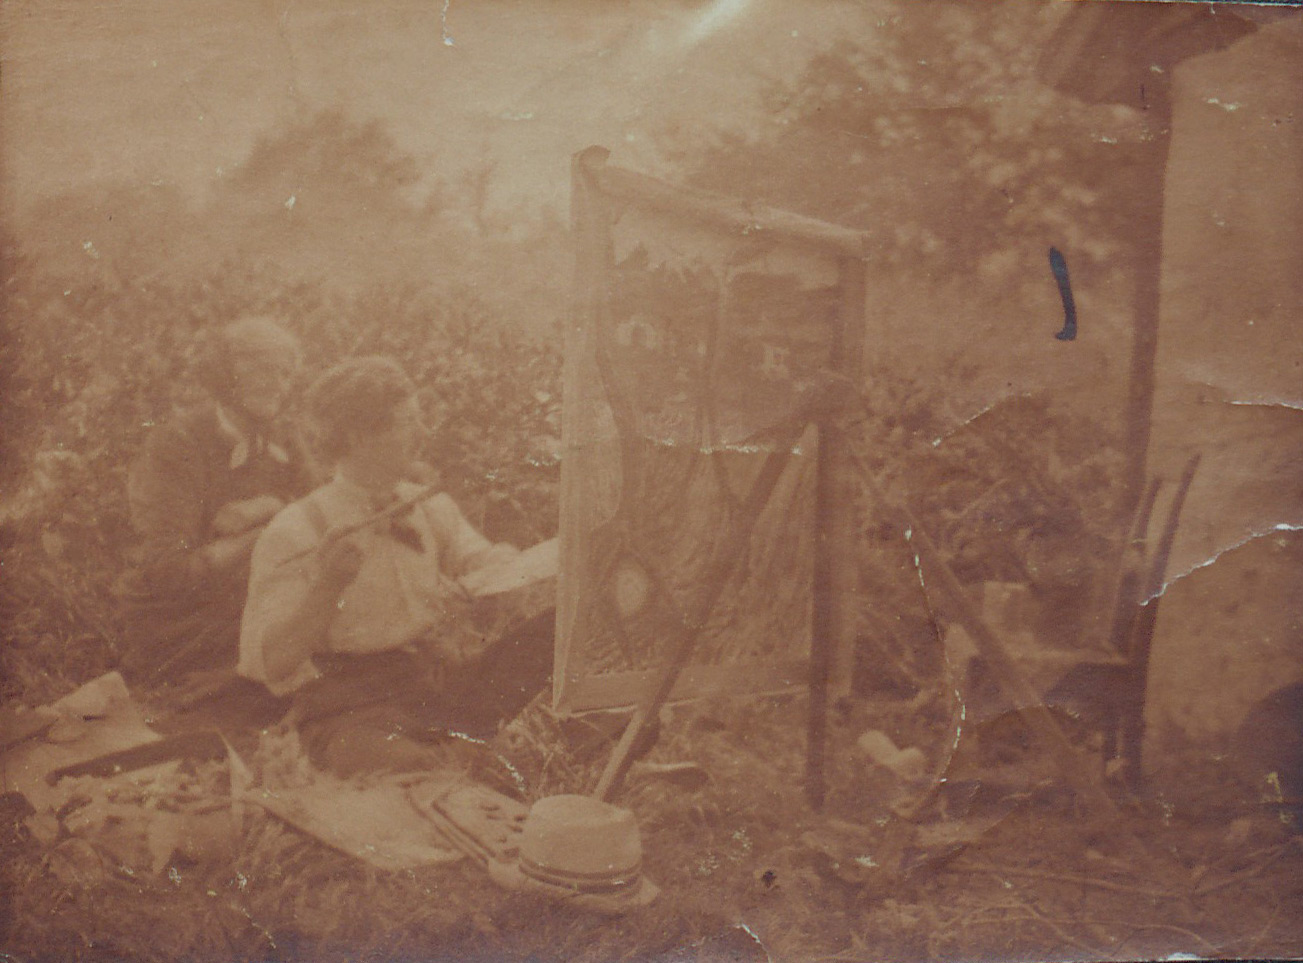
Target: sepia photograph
(683,481)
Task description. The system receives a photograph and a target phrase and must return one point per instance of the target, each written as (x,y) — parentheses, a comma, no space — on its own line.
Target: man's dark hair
(357,396)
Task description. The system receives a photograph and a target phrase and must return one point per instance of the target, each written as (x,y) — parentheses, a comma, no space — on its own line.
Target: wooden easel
(597,190)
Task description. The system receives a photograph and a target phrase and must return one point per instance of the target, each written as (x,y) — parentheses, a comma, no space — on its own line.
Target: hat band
(609,882)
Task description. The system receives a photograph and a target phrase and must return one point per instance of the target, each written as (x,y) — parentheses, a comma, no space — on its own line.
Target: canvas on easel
(701,330)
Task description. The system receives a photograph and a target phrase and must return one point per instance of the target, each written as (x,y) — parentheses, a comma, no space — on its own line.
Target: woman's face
(262,382)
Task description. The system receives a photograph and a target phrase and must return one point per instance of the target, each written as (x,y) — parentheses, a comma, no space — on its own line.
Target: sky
(155,91)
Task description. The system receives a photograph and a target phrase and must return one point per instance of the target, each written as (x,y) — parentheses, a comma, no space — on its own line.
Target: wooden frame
(597,189)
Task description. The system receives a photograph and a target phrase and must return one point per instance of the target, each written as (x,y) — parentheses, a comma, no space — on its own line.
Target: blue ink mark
(1060,268)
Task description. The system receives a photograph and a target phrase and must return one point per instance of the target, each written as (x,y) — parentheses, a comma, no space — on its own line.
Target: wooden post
(585,486)
(1148,200)
(844,521)
(835,581)
(822,618)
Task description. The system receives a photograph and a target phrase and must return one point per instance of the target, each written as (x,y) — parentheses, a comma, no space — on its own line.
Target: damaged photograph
(652,480)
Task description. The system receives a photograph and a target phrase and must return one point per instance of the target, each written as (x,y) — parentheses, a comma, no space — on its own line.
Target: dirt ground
(998,862)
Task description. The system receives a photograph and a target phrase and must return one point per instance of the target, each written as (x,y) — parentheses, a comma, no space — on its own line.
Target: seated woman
(357,616)
(199,494)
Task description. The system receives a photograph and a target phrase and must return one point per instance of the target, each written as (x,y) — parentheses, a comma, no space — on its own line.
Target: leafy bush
(1025,491)
(90,366)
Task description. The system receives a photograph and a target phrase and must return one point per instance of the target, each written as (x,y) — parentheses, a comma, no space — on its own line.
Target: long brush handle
(397,508)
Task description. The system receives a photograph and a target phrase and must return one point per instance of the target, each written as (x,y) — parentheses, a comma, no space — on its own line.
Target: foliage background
(932,132)
(98,352)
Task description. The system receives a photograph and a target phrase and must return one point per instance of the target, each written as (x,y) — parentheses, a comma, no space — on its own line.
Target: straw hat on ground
(583,849)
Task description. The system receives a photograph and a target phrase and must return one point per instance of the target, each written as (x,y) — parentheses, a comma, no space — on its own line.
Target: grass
(747,872)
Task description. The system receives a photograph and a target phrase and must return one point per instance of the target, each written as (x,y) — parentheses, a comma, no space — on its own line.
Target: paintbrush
(386,513)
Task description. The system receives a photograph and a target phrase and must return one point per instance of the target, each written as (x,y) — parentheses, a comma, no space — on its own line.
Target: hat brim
(510,876)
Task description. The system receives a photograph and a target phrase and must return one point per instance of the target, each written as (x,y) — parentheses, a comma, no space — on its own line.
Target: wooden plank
(588,463)
(821,621)
(832,629)
(624,689)
(848,361)
(731,216)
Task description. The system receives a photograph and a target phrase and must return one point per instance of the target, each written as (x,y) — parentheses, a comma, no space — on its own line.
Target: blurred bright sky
(159,91)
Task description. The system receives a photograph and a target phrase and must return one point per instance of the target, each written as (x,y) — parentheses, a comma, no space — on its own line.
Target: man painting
(199,494)
(356,614)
